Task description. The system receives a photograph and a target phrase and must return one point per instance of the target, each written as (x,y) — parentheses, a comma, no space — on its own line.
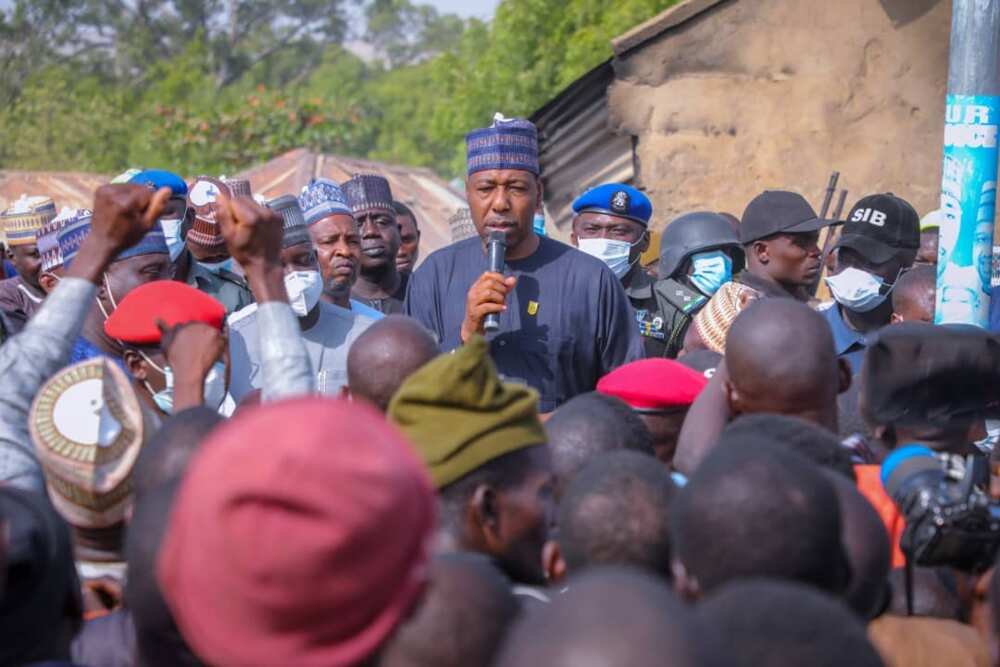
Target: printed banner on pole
(968,203)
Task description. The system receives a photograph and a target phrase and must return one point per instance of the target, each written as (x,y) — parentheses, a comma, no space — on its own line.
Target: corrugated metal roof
(74,189)
(577,148)
(430,197)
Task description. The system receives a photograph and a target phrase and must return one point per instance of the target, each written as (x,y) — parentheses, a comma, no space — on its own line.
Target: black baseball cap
(879,227)
(779,212)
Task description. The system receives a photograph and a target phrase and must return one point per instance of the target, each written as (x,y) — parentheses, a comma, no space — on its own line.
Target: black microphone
(496,248)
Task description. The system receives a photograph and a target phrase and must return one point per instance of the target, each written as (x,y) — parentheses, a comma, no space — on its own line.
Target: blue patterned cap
(158,178)
(72,235)
(75,230)
(617,199)
(295,230)
(321,199)
(365,192)
(509,143)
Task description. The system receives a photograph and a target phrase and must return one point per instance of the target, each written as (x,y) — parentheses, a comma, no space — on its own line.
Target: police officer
(611,224)
(698,253)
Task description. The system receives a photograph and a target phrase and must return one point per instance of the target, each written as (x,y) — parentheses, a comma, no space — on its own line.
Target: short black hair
(913,284)
(461,619)
(589,424)
(616,511)
(501,473)
(810,440)
(614,616)
(402,209)
(760,511)
(769,623)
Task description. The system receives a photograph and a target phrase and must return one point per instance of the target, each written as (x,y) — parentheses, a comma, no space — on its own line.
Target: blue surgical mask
(218,267)
(172,232)
(857,290)
(214,391)
(711,270)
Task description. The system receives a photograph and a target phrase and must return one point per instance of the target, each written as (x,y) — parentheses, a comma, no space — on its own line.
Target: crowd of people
(248,432)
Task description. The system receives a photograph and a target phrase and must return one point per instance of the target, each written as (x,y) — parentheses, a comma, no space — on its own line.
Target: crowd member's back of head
(610,616)
(936,593)
(387,353)
(770,623)
(914,296)
(165,457)
(40,605)
(866,544)
(805,438)
(588,425)
(759,511)
(461,619)
(781,359)
(158,641)
(616,511)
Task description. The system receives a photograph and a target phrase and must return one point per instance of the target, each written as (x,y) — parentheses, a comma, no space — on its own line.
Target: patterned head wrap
(201,198)
(321,199)
(509,143)
(713,321)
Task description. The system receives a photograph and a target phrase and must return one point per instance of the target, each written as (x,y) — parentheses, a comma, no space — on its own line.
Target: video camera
(951,518)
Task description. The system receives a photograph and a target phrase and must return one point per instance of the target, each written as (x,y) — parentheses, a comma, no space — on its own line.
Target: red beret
(653,384)
(134,320)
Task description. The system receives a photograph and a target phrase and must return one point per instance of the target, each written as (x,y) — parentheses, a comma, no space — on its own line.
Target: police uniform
(623,201)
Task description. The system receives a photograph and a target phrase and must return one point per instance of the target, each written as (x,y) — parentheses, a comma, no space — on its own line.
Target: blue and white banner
(968,202)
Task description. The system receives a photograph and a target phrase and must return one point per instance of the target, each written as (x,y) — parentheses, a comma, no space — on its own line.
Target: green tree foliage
(206,86)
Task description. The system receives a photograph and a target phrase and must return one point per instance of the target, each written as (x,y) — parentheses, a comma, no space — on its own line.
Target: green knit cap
(460,415)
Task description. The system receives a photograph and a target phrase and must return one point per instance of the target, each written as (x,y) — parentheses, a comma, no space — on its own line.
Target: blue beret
(617,199)
(158,178)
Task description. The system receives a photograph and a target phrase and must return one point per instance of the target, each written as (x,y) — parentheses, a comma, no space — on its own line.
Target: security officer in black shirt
(698,253)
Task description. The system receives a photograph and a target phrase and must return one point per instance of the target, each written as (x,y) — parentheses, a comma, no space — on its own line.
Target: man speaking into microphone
(564,319)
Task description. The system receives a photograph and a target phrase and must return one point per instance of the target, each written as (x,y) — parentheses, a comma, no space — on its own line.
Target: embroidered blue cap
(509,143)
(321,199)
(75,230)
(617,199)
(366,192)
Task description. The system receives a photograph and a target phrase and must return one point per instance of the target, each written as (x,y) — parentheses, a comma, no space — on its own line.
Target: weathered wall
(756,94)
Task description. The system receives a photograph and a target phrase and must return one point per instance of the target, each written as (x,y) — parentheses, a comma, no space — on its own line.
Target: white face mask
(304,289)
(613,253)
(172,232)
(217,267)
(857,290)
(213,394)
(711,271)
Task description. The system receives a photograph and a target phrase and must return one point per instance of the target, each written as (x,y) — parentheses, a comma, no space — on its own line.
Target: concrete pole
(969,174)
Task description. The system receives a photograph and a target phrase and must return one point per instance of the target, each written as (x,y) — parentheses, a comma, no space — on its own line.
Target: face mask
(304,289)
(857,290)
(172,232)
(613,253)
(213,394)
(218,267)
(111,298)
(711,271)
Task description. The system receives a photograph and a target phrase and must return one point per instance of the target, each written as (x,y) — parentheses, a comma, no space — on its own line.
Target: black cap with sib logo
(879,227)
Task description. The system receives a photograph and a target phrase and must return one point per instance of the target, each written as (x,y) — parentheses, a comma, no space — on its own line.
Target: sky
(481,9)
